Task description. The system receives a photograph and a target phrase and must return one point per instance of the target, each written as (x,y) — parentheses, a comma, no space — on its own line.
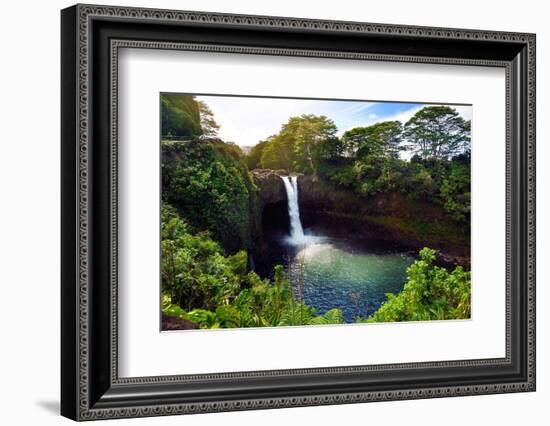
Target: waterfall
(296,230)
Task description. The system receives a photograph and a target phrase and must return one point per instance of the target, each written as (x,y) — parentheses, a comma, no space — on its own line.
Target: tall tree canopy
(180,116)
(301,142)
(380,139)
(312,132)
(278,153)
(185,117)
(208,124)
(254,157)
(437,132)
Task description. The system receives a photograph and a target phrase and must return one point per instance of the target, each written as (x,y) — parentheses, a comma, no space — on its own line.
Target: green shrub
(430,293)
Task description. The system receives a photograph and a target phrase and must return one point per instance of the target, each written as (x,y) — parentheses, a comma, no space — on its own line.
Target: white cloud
(354,107)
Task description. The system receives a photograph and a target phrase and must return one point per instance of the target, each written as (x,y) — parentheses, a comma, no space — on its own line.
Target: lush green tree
(180,116)
(419,183)
(278,153)
(368,161)
(455,191)
(254,157)
(376,150)
(183,117)
(301,144)
(437,132)
(209,126)
(352,140)
(330,150)
(377,140)
(313,136)
(341,173)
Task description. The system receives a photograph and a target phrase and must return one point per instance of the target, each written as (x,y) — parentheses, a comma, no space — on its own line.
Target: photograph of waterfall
(302,212)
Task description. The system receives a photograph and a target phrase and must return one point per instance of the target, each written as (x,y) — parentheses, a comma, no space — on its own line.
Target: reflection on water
(330,273)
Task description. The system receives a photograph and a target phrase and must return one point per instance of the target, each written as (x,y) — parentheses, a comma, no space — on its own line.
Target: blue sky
(247,120)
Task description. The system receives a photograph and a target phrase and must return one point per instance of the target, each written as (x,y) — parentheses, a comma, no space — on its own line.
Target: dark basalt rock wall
(270,185)
(320,196)
(272,200)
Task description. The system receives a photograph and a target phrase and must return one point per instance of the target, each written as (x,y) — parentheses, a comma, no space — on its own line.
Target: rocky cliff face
(272,202)
(270,185)
(323,197)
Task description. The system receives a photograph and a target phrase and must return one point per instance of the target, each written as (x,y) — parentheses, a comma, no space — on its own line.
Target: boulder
(170,323)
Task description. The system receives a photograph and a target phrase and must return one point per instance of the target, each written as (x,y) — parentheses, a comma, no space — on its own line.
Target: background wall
(29,211)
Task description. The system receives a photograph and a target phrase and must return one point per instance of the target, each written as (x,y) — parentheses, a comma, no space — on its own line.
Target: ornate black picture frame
(91,36)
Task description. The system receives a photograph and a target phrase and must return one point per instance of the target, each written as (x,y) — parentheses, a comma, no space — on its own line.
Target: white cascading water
(296,231)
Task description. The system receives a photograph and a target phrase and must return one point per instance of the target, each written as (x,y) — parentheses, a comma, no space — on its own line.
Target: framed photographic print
(263,212)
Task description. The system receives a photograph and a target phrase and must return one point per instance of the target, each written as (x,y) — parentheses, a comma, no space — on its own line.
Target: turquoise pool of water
(334,275)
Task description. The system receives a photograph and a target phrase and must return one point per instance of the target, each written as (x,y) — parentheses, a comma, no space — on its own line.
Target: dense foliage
(180,116)
(301,145)
(430,293)
(437,132)
(202,284)
(254,157)
(209,127)
(185,118)
(209,183)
